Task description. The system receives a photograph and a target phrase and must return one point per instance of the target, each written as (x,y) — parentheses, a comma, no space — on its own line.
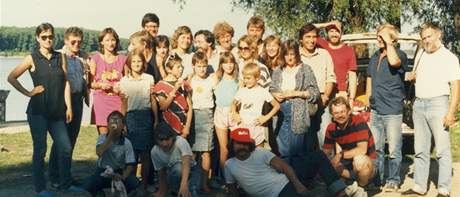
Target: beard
(242,153)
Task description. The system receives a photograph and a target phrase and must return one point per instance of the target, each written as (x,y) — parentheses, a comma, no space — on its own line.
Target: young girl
(140,108)
(203,103)
(173,94)
(225,91)
(107,68)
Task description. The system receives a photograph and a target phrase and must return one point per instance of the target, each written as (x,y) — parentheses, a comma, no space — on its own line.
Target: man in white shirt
(437,76)
(262,174)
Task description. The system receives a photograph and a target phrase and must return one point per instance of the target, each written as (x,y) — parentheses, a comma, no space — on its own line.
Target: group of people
(281,110)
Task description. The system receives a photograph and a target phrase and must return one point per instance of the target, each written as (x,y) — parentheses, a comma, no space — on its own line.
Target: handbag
(408,101)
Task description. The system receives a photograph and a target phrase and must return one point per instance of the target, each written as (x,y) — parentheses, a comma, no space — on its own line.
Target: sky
(124,16)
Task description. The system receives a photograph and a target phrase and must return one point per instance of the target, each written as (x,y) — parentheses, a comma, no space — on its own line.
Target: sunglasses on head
(44,38)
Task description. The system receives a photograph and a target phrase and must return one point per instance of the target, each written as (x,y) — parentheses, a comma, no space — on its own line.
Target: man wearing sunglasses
(77,70)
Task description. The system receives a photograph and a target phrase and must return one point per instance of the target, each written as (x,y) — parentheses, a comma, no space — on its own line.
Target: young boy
(172,158)
(248,103)
(114,151)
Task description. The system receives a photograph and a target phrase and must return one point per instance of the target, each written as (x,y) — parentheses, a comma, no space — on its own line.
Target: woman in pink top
(107,68)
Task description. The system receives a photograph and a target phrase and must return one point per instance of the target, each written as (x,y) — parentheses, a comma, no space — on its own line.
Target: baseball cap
(332,26)
(241,135)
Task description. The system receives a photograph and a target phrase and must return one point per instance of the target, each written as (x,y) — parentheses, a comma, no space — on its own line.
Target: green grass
(17,162)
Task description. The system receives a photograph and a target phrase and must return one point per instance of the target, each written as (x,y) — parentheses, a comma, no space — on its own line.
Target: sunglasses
(44,38)
(243,48)
(73,42)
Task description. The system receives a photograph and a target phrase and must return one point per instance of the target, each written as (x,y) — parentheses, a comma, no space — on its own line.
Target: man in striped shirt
(351,135)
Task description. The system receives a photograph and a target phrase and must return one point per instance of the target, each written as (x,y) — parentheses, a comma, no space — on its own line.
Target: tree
(285,17)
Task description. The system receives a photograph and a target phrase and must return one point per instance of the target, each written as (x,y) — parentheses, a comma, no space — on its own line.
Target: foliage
(285,17)
(16,40)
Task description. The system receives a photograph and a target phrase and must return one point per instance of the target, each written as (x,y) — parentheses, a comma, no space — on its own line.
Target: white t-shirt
(252,101)
(255,174)
(434,72)
(265,77)
(202,97)
(288,78)
(161,159)
(137,91)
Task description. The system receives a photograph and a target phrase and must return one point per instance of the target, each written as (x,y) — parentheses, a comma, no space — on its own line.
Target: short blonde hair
(251,41)
(180,31)
(256,21)
(251,69)
(221,28)
(142,36)
(393,30)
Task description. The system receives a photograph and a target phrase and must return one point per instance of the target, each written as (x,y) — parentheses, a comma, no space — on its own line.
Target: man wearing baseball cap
(343,56)
(260,173)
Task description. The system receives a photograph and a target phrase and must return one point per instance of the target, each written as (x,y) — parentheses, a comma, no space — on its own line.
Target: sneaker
(390,187)
(54,186)
(74,189)
(412,192)
(45,193)
(354,190)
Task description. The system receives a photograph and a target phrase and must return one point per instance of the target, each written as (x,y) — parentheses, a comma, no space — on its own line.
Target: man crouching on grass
(114,151)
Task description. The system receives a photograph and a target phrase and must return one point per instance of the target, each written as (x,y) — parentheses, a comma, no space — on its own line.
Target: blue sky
(124,16)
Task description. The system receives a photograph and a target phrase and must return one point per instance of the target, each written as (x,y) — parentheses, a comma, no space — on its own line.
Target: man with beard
(205,42)
(262,174)
(352,135)
(343,57)
(436,77)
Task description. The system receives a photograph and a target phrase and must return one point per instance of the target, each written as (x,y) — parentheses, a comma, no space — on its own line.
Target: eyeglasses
(73,42)
(44,38)
(243,48)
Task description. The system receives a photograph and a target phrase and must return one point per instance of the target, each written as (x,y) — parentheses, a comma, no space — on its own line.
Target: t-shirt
(255,174)
(225,91)
(137,91)
(202,97)
(161,159)
(348,138)
(344,59)
(252,101)
(434,72)
(321,64)
(118,155)
(387,84)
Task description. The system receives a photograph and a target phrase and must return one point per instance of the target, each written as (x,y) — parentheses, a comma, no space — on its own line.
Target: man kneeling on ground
(262,174)
(352,135)
(114,151)
(172,158)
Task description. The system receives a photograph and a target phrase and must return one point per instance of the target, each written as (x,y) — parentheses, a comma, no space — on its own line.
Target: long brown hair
(130,57)
(103,33)
(227,57)
(272,62)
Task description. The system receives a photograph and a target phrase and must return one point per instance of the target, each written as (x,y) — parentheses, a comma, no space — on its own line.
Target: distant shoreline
(12,56)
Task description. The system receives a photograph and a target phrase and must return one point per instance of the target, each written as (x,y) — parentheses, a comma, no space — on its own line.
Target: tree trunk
(457,18)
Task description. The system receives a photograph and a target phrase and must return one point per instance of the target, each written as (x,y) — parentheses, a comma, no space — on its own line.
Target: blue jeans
(39,126)
(319,123)
(289,143)
(175,174)
(387,128)
(73,129)
(428,118)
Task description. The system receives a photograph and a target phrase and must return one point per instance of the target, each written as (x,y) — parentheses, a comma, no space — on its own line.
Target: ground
(16,180)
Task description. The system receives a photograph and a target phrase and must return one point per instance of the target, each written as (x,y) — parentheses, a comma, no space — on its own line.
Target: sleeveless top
(49,74)
(152,69)
(225,91)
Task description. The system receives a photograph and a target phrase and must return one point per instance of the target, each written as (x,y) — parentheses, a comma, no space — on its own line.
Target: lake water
(16,103)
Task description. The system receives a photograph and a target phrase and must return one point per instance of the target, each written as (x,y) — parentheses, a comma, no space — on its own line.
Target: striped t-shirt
(348,138)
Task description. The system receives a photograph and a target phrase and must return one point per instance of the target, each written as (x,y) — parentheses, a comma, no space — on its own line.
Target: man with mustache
(343,57)
(355,160)
(262,174)
(436,78)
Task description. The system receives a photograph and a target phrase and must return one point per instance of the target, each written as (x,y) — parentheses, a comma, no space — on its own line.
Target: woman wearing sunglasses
(49,108)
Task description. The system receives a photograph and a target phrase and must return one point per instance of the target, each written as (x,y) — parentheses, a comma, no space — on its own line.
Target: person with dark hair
(77,75)
(49,109)
(343,56)
(205,42)
(323,67)
(294,86)
(107,69)
(355,160)
(173,160)
(115,153)
(151,23)
(157,62)
(262,174)
(437,89)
